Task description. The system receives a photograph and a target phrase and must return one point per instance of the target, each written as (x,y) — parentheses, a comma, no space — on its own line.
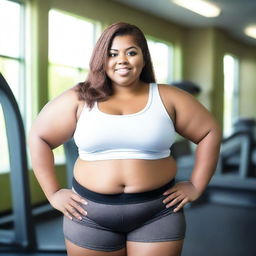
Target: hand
(67,201)
(181,194)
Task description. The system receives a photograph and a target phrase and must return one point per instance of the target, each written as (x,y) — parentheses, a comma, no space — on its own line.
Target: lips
(123,71)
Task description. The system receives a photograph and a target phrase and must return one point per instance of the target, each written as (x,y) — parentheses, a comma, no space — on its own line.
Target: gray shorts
(114,219)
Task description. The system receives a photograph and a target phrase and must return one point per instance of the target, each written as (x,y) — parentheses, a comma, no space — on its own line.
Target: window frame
(96,30)
(21,61)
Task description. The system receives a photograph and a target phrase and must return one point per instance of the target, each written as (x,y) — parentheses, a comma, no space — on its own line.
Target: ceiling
(235,16)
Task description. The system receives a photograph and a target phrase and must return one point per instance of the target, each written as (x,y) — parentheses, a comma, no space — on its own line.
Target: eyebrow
(125,49)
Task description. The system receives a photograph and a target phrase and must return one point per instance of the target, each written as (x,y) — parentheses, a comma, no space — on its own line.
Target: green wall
(198,57)
(37,195)
(203,63)
(198,62)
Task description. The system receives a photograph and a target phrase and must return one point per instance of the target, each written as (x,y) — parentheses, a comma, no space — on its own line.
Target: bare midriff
(124,175)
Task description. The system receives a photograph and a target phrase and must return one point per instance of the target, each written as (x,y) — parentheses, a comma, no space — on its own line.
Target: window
(11,42)
(71,42)
(231,92)
(162,55)
(11,63)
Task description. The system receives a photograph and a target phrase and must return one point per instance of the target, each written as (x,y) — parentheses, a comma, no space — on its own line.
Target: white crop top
(147,134)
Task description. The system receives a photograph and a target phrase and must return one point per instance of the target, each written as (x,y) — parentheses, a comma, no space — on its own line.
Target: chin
(124,84)
(125,81)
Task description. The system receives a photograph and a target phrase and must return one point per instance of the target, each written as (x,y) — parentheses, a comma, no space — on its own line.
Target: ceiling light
(251,31)
(201,7)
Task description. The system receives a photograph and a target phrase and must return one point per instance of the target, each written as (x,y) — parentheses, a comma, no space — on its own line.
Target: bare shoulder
(173,92)
(69,96)
(67,101)
(166,93)
(178,99)
(192,119)
(173,98)
(57,120)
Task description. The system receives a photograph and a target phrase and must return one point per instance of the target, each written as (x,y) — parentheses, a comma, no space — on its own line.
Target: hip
(112,220)
(124,212)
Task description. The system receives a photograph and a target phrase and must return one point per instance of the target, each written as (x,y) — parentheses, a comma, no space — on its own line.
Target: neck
(129,90)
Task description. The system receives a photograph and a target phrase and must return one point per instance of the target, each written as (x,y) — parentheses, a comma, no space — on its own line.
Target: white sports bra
(147,134)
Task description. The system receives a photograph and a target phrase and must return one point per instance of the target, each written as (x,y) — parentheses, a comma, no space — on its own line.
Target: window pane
(70,40)
(231,96)
(11,64)
(10,17)
(160,54)
(61,78)
(4,156)
(11,72)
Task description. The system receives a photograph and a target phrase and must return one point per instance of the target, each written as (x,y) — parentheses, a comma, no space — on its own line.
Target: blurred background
(45,47)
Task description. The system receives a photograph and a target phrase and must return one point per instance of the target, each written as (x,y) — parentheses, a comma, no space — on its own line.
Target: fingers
(78,198)
(75,210)
(181,205)
(177,196)
(69,203)
(73,207)
(174,201)
(170,191)
(71,211)
(171,197)
(66,213)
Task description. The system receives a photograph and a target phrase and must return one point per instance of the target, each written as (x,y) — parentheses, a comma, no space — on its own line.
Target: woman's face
(125,61)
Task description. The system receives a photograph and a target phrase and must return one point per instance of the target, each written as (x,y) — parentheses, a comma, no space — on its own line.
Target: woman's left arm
(194,122)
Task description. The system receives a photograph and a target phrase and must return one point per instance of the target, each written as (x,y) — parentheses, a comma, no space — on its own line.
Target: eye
(132,53)
(112,54)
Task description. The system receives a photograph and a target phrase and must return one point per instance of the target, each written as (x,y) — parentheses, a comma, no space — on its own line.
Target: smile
(122,71)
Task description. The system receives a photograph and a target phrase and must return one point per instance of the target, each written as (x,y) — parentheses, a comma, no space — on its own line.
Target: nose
(122,59)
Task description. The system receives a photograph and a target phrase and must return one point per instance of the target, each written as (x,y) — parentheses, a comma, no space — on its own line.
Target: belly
(124,175)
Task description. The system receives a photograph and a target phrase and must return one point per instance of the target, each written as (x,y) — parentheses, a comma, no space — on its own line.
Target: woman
(124,199)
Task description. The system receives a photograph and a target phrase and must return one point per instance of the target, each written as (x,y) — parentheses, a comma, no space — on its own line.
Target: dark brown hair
(97,86)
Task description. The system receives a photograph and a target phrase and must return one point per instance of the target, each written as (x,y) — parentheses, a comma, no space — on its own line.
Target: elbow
(213,134)
(34,138)
(217,131)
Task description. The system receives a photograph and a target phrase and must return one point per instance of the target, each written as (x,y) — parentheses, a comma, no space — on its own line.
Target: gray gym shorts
(114,219)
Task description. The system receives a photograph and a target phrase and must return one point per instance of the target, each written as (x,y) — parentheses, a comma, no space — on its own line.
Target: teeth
(122,71)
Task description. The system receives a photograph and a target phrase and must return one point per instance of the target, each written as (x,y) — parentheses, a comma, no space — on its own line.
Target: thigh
(168,248)
(75,250)
(162,235)
(164,227)
(88,234)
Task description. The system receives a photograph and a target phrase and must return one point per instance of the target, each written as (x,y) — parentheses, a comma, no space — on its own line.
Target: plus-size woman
(124,199)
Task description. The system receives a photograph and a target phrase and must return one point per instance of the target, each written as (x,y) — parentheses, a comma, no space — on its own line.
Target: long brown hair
(97,86)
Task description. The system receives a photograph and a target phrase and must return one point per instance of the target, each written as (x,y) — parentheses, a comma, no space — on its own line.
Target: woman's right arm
(54,125)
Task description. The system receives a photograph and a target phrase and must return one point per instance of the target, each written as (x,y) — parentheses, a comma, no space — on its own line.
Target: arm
(194,122)
(54,125)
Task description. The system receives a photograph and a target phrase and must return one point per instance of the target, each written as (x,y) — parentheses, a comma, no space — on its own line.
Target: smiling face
(125,61)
